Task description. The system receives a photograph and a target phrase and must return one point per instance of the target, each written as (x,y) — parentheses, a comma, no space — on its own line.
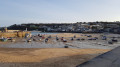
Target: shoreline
(76,32)
(52,43)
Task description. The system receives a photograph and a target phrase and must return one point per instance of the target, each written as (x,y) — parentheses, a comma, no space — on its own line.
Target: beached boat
(110,42)
(13,40)
(114,40)
(29,40)
(4,39)
(104,38)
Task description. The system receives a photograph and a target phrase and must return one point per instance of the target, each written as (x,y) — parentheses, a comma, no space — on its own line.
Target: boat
(64,40)
(13,40)
(3,39)
(114,40)
(82,39)
(66,47)
(29,40)
(110,42)
(104,38)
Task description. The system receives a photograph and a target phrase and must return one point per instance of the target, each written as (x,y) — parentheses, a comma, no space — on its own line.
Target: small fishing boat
(40,39)
(82,39)
(94,38)
(74,36)
(66,47)
(50,36)
(78,39)
(114,40)
(64,40)
(110,42)
(89,38)
(12,40)
(3,39)
(104,38)
(89,35)
(46,40)
(57,38)
(72,39)
(9,38)
(29,40)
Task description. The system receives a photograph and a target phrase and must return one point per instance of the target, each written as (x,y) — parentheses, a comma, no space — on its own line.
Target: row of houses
(113,27)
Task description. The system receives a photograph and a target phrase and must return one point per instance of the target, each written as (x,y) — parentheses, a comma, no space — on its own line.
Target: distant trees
(16,27)
(1,28)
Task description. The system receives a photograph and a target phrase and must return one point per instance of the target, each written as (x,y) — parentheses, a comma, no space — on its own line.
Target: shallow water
(43,33)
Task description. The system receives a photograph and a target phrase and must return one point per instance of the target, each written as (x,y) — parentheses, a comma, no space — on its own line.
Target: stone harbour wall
(13,34)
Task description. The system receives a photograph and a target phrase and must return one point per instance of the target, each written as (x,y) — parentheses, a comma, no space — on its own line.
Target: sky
(58,11)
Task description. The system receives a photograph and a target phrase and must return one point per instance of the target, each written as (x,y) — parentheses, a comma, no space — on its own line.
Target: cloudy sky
(57,11)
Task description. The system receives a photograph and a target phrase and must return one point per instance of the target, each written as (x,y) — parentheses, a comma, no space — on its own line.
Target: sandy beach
(53,54)
(53,57)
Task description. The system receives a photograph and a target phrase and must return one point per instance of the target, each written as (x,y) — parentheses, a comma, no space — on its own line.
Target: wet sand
(52,43)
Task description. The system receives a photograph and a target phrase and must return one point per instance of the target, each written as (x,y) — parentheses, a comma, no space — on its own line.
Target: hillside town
(79,27)
(59,33)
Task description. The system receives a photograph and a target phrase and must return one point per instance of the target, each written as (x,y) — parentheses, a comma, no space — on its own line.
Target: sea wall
(13,30)
(13,34)
(108,59)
